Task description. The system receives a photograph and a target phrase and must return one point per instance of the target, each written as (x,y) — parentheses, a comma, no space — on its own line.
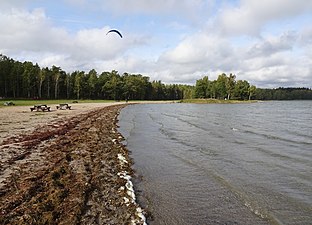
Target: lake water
(222,163)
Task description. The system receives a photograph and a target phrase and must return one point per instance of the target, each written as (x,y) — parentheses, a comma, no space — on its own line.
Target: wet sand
(65,167)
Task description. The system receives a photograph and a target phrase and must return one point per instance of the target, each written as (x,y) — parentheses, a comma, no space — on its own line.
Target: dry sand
(65,167)
(19,119)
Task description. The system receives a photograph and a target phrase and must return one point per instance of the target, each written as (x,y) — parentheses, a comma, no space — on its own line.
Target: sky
(267,42)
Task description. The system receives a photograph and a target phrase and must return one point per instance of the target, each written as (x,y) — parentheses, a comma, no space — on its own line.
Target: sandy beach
(65,167)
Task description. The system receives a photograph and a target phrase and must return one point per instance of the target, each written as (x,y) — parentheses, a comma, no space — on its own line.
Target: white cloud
(29,31)
(198,55)
(274,44)
(269,61)
(198,49)
(251,15)
(94,43)
(33,33)
(170,49)
(306,36)
(279,76)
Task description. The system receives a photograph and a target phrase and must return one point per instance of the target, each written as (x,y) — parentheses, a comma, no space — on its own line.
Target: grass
(70,101)
(215,101)
(47,102)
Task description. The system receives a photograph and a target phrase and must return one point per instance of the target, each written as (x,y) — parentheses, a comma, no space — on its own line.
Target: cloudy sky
(267,42)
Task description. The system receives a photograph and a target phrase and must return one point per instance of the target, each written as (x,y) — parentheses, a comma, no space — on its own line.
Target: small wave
(278,138)
(244,198)
(251,164)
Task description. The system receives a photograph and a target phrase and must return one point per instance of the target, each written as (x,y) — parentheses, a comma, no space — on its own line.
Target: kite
(116,31)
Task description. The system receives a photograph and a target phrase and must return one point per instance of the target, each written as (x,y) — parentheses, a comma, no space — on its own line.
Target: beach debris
(139,213)
(62,174)
(126,200)
(131,199)
(128,185)
(122,159)
(128,188)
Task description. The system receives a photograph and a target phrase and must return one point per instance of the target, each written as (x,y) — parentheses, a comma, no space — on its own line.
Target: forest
(227,87)
(26,80)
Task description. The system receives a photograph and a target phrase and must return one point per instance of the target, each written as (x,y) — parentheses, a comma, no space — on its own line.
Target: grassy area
(48,102)
(216,101)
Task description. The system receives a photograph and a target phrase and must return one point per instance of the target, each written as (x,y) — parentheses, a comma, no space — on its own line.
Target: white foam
(130,192)
(122,159)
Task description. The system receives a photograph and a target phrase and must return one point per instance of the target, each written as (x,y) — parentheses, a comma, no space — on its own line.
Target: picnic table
(63,106)
(8,103)
(40,108)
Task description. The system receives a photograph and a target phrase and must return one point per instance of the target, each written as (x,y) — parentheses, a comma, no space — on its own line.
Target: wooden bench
(63,106)
(40,108)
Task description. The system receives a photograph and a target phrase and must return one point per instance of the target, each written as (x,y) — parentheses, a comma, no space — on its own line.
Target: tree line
(227,87)
(283,94)
(224,87)
(29,81)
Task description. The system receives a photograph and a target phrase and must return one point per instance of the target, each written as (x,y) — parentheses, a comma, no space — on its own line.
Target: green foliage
(113,87)
(202,88)
(221,90)
(230,85)
(252,91)
(26,80)
(241,90)
(283,94)
(225,87)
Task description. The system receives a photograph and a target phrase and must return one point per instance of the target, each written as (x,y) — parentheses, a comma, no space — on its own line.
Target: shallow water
(222,163)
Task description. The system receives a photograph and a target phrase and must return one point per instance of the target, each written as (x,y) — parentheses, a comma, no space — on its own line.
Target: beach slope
(65,167)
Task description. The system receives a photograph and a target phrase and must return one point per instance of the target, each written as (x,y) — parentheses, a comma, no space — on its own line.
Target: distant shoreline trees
(225,87)
(28,81)
(283,94)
